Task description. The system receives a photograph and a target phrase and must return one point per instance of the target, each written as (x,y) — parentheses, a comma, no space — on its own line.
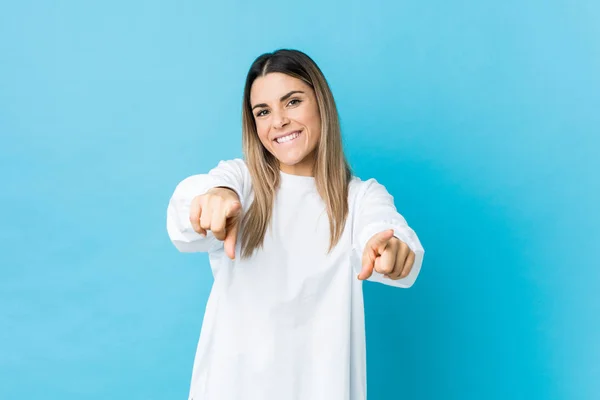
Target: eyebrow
(283,98)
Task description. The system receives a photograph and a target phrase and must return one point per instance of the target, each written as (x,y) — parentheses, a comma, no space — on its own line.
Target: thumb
(379,241)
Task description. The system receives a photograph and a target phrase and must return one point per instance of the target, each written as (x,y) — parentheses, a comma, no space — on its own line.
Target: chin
(288,163)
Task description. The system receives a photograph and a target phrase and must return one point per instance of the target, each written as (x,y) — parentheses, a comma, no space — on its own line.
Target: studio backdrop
(482,118)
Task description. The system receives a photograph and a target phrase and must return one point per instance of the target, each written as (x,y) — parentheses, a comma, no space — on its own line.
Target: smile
(285,139)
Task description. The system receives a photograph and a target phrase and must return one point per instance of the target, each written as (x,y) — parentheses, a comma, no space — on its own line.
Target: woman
(291,234)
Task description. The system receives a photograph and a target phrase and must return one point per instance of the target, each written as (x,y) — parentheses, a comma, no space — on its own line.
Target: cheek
(315,124)
(308,117)
(314,118)
(263,131)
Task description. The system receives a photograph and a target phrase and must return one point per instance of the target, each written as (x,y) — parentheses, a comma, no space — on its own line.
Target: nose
(280,120)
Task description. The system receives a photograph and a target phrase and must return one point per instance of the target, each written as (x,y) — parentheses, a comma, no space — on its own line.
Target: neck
(300,170)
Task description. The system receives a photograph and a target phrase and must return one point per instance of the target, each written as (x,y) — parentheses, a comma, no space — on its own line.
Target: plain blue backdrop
(482,118)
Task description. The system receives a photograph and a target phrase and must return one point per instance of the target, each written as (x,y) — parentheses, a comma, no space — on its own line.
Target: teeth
(288,138)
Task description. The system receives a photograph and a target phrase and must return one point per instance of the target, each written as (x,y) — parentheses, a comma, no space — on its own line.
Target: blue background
(481,118)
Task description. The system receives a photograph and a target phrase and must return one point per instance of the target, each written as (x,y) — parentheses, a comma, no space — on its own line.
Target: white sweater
(287,323)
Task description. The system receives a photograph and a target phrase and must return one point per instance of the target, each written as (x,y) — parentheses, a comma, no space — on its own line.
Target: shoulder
(358,188)
(233,163)
(234,168)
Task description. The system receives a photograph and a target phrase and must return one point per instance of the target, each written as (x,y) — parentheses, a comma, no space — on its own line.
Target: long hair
(331,169)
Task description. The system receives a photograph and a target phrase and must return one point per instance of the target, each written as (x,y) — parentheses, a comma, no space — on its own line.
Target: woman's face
(287,119)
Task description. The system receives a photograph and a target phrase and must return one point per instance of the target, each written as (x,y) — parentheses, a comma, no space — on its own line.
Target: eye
(297,101)
(261,113)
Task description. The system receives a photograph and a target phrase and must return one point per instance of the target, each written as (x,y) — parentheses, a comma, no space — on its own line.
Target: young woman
(291,234)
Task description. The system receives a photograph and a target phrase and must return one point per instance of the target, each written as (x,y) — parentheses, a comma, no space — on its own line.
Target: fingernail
(203,235)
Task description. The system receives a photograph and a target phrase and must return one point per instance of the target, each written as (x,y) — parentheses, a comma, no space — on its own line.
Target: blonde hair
(331,169)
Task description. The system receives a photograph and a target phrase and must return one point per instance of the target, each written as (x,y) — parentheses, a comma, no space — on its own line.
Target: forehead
(271,87)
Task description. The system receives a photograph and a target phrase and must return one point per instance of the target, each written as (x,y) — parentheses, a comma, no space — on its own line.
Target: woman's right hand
(218,210)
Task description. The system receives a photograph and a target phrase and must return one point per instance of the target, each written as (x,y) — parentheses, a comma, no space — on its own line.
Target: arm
(376,212)
(231,174)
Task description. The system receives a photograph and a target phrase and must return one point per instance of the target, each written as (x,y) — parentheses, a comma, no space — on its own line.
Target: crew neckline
(296,180)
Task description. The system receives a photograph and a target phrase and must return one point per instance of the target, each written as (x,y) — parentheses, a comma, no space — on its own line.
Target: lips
(286,134)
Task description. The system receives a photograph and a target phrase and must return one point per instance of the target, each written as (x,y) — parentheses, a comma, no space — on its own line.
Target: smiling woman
(286,319)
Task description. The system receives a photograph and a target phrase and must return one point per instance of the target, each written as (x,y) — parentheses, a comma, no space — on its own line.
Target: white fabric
(288,323)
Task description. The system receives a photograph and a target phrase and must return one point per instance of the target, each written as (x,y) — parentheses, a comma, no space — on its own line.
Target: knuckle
(201,199)
(216,199)
(387,269)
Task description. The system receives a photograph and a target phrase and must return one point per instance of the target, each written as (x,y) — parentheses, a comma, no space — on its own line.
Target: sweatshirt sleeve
(232,174)
(376,212)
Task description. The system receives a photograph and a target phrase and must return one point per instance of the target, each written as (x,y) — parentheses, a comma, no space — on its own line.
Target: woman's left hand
(387,255)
